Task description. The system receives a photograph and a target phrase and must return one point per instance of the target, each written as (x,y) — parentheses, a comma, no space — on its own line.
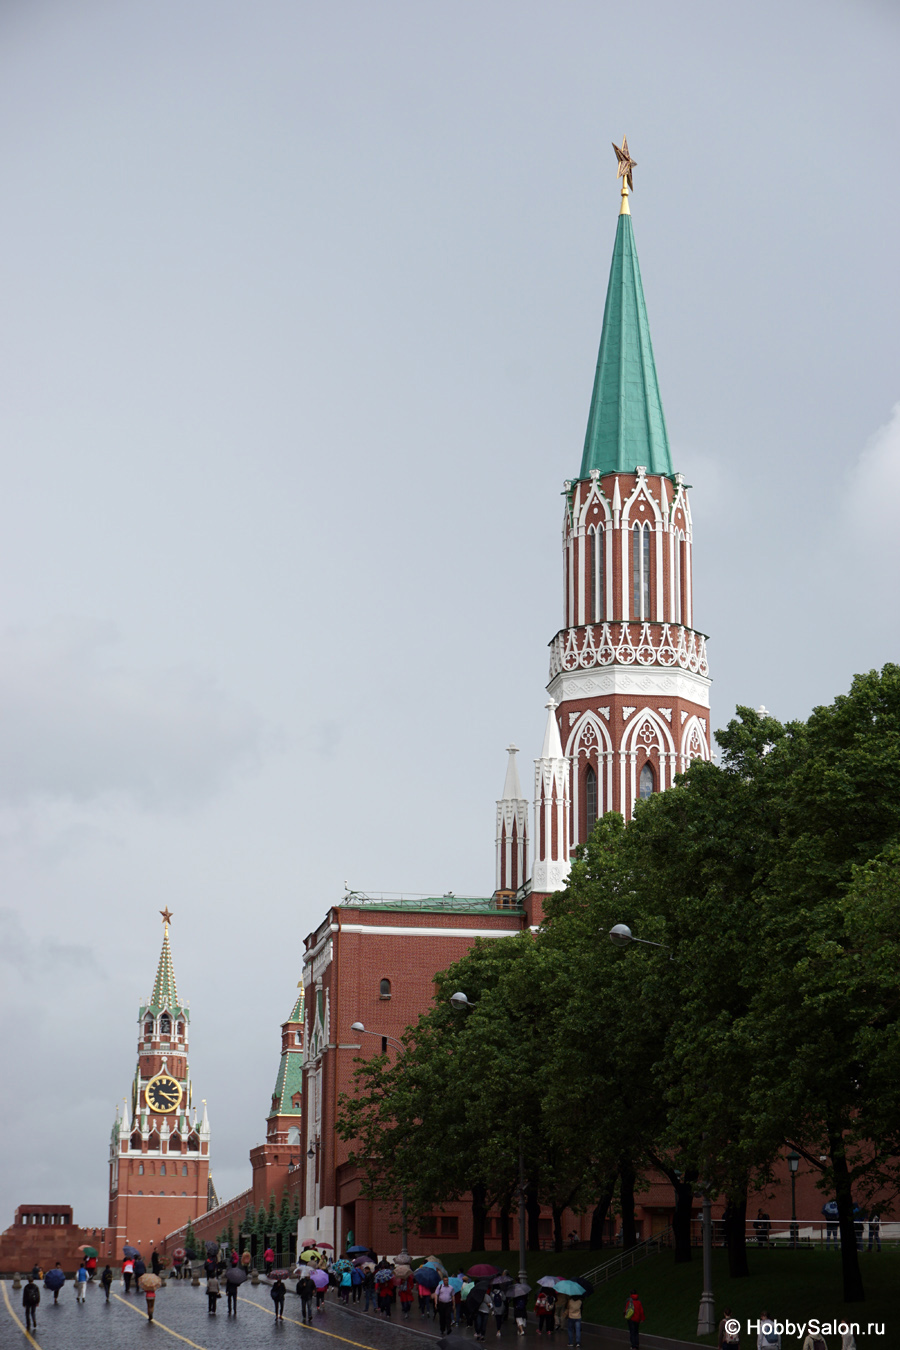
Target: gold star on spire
(623,171)
(166,916)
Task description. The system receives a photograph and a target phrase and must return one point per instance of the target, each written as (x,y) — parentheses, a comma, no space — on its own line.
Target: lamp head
(793,1160)
(357,1026)
(458,1001)
(620,935)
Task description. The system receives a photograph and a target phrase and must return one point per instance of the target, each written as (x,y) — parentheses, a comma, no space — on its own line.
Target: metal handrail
(625,1259)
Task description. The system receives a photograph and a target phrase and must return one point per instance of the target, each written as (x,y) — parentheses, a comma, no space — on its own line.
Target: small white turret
(512,830)
(551,812)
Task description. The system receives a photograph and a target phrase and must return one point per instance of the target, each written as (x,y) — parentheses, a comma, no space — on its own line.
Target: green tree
(191,1245)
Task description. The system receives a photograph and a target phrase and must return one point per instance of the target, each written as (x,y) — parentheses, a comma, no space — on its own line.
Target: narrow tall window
(600,542)
(678,580)
(647,782)
(162,1170)
(384,989)
(590,799)
(592,609)
(640,570)
(148,1029)
(165,1025)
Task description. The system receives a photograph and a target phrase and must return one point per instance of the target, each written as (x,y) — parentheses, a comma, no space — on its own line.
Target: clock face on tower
(163,1093)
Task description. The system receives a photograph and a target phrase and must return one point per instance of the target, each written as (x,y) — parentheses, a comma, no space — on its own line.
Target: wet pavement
(182,1318)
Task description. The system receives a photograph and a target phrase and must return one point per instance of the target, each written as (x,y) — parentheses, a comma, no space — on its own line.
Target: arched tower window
(640,572)
(162,1169)
(590,799)
(165,1025)
(140,1169)
(384,989)
(181,1031)
(597,576)
(148,1028)
(184,1169)
(647,781)
(294,1137)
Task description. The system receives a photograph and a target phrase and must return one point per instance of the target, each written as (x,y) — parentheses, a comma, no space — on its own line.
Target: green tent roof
(288,1082)
(626,426)
(165,995)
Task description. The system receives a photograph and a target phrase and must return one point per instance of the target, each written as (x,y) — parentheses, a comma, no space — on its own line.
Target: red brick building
(159,1150)
(42,1235)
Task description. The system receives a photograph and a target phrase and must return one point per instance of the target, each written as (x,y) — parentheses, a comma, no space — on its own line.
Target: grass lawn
(787,1284)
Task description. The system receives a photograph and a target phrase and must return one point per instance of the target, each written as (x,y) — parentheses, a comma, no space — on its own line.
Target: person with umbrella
(106,1280)
(320,1280)
(178,1260)
(54,1280)
(150,1283)
(499,1306)
(574,1312)
(234,1278)
(31,1297)
(484,1306)
(277,1293)
(544,1306)
(306,1290)
(406,1288)
(356,1280)
(519,1296)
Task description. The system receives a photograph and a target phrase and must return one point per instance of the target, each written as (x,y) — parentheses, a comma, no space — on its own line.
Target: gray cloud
(78,725)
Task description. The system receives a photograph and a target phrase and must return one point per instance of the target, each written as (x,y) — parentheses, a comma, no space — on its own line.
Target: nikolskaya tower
(629,681)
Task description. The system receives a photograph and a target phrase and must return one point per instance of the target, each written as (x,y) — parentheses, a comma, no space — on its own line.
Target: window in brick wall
(428,1226)
(384,989)
(449,1226)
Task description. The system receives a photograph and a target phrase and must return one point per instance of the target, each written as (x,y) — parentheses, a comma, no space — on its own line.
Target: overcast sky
(300,312)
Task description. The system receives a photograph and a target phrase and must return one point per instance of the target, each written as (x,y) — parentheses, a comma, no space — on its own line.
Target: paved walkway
(182,1319)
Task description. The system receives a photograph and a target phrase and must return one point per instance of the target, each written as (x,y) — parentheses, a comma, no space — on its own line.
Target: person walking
(277,1293)
(139,1270)
(81,1279)
(482,1315)
(356,1280)
(213,1292)
(443,1302)
(520,1312)
(127,1272)
(306,1291)
(150,1295)
(875,1230)
(574,1323)
(91,1264)
(106,1280)
(231,1297)
(726,1338)
(406,1290)
(814,1342)
(154,1262)
(500,1308)
(345,1286)
(369,1291)
(31,1297)
(767,1338)
(543,1311)
(830,1210)
(424,1301)
(386,1296)
(269,1258)
(634,1316)
(560,1312)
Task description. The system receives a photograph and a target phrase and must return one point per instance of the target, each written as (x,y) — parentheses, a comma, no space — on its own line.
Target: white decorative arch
(647,736)
(694,742)
(589,739)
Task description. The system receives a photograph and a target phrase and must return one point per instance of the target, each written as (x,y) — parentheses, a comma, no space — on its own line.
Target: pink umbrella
(319,1278)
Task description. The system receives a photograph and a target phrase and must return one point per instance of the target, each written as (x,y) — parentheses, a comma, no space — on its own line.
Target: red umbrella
(179,1254)
(483,1272)
(322,1244)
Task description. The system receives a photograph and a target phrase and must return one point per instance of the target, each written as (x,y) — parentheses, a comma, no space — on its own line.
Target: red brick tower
(159,1153)
(628,671)
(274,1160)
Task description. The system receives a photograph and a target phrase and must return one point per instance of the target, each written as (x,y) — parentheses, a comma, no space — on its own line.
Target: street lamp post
(459,1003)
(793,1163)
(363,1030)
(621,936)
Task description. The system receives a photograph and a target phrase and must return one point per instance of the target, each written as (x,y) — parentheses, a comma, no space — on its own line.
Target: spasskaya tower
(159,1151)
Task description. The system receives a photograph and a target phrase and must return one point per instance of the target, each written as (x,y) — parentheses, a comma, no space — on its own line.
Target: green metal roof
(626,425)
(165,995)
(441,904)
(297,1010)
(288,1082)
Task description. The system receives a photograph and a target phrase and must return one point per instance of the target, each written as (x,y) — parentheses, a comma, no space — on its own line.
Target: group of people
(55,1279)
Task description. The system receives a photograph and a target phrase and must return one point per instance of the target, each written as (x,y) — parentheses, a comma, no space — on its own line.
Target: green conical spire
(165,995)
(626,425)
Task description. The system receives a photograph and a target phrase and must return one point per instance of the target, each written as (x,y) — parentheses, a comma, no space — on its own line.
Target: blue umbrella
(457,1282)
(427,1277)
(130,1251)
(571,1288)
(54,1279)
(351,1251)
(382,1276)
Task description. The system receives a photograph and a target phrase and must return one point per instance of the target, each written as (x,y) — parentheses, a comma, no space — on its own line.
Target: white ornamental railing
(628,644)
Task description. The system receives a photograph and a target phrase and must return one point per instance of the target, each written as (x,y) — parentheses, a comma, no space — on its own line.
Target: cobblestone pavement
(182,1318)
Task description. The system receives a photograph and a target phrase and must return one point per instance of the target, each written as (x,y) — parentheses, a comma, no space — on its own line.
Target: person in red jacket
(634,1316)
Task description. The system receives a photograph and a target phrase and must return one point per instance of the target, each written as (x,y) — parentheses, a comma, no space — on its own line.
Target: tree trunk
(681,1220)
(843,1194)
(557,1228)
(736,1234)
(533,1210)
(479,1215)
(626,1199)
(504,1226)
(598,1218)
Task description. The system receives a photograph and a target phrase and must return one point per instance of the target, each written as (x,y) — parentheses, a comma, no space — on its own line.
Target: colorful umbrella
(341,1265)
(382,1276)
(549,1281)
(88,1251)
(483,1272)
(571,1288)
(283,1274)
(179,1254)
(149,1281)
(319,1278)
